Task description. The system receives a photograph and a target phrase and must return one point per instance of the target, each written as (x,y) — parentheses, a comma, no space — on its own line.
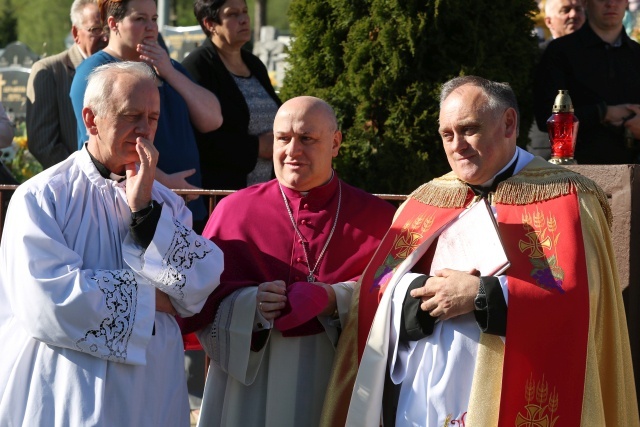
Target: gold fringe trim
(444,192)
(537,182)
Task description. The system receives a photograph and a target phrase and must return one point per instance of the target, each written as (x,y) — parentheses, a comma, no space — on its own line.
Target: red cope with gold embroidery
(548,317)
(415,224)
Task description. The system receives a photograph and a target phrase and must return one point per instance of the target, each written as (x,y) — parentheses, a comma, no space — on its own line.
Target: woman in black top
(243,144)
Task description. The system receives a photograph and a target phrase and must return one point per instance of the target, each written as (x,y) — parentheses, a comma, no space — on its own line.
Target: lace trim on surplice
(181,256)
(110,340)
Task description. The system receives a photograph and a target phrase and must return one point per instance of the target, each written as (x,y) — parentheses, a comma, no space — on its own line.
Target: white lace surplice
(82,343)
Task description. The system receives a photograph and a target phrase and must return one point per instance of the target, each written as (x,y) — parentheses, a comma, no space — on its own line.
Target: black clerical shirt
(144,222)
(416,324)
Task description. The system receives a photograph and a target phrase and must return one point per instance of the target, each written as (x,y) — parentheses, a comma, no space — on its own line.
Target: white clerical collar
(102,169)
(513,159)
(116,177)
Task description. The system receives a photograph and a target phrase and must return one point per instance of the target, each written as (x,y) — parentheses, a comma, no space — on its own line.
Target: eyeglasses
(95,31)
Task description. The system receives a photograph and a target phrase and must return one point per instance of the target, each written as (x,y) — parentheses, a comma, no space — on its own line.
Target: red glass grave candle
(563,130)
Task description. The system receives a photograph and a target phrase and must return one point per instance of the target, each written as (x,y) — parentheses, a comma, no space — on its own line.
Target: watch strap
(143,212)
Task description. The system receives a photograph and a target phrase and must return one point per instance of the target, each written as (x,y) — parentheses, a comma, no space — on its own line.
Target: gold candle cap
(562,103)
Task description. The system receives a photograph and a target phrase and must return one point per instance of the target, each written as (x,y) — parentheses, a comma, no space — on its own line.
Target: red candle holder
(562,127)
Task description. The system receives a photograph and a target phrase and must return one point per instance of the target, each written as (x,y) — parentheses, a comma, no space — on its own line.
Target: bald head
(310,104)
(306,139)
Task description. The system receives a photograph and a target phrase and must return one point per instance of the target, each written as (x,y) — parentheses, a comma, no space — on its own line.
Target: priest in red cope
(294,248)
(560,354)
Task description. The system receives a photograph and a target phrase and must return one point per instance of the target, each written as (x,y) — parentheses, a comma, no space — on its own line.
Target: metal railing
(212,198)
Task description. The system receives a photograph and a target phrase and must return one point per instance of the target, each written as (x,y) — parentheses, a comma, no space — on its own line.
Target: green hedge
(380,63)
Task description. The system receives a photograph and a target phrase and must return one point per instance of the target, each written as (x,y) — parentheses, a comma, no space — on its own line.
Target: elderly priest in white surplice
(95,261)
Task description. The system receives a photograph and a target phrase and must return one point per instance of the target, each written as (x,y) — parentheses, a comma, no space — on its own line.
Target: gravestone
(181,41)
(13,91)
(17,54)
(16,60)
(272,51)
(621,184)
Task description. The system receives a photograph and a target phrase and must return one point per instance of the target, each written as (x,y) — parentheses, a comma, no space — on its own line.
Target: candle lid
(562,103)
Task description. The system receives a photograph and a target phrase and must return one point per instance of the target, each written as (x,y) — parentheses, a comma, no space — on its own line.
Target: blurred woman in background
(133,36)
(239,153)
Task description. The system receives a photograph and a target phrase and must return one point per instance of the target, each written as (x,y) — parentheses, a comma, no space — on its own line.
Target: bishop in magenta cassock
(306,234)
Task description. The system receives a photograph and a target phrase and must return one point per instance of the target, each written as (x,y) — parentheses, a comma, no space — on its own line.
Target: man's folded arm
(493,320)
(416,324)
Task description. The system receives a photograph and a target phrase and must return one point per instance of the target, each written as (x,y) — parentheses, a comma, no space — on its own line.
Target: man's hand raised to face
(140,182)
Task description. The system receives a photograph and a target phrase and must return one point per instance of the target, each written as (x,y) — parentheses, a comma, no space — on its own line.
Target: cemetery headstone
(182,40)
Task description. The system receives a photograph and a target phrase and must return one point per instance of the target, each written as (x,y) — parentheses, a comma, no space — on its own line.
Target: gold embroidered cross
(406,243)
(534,418)
(534,245)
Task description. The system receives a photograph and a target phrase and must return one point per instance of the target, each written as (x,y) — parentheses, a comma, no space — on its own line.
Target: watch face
(480,302)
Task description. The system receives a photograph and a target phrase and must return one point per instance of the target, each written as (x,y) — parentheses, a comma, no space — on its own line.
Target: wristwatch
(480,302)
(143,212)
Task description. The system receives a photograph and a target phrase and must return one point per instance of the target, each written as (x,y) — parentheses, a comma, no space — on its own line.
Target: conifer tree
(380,64)
(8,24)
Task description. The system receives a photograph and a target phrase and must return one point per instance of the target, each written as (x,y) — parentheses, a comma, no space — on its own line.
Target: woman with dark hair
(133,36)
(244,143)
